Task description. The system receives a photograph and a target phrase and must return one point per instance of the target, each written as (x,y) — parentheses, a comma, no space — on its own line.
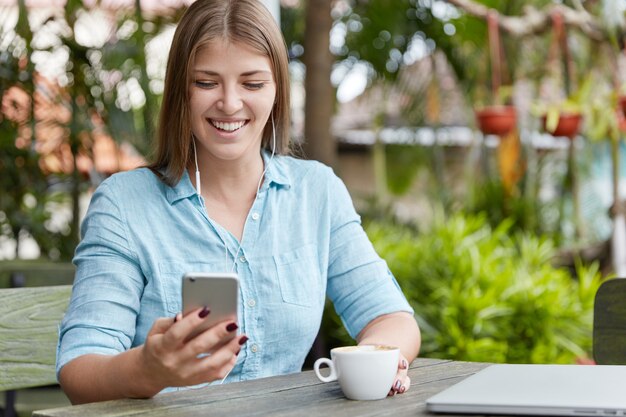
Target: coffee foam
(365,348)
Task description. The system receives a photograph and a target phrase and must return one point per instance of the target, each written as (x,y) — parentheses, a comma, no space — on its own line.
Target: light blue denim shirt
(302,241)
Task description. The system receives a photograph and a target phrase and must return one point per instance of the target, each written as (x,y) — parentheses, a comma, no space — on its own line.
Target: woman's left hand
(402,383)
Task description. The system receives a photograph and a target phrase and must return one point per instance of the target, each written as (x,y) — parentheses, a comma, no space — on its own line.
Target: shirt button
(251,302)
(242,259)
(254,348)
(255,216)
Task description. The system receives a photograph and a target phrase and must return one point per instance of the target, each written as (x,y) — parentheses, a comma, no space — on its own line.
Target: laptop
(547,390)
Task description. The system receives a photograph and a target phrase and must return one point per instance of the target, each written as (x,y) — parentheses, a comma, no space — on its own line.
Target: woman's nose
(230,102)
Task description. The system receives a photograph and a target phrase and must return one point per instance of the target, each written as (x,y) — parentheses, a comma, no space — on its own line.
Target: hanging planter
(563,124)
(621,121)
(496,120)
(622,104)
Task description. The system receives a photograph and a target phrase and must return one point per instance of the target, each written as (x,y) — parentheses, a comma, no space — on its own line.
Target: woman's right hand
(170,360)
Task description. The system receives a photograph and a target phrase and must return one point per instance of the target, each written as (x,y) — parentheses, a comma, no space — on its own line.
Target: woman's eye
(254,86)
(205,84)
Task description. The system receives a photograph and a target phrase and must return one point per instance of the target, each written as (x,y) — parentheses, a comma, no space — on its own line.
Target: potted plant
(496,119)
(622,104)
(564,120)
(563,117)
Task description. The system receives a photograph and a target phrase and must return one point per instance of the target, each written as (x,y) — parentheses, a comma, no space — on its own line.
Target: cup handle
(316,367)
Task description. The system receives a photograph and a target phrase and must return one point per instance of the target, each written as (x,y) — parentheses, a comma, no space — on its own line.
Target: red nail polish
(204,312)
(237,353)
(243,340)
(232,327)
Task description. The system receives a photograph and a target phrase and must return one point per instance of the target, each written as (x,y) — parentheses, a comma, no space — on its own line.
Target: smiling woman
(286,227)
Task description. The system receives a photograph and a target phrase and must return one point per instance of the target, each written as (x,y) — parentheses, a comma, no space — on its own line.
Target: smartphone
(217,291)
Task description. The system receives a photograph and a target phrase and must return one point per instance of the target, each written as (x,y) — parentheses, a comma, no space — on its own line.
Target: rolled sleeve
(360,284)
(107,289)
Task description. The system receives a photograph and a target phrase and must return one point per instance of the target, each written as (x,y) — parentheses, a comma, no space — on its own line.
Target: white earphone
(258,188)
(195,155)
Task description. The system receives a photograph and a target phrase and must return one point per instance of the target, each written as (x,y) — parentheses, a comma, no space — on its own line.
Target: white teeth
(229,127)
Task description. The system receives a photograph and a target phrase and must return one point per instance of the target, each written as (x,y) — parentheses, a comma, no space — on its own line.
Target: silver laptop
(548,390)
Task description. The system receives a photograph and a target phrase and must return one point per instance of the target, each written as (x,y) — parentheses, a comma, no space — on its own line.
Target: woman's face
(232,92)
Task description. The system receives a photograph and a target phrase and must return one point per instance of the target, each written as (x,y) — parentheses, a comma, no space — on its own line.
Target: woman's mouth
(227,126)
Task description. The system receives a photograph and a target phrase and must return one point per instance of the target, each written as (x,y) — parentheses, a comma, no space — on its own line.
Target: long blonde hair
(244,21)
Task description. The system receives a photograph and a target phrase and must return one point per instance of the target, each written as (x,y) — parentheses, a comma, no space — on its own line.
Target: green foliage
(292,24)
(99,82)
(403,163)
(485,294)
(523,210)
(380,34)
(26,196)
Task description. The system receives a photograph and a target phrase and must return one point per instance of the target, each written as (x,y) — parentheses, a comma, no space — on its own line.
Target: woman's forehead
(228,48)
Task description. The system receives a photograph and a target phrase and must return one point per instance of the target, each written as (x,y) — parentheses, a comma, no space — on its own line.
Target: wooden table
(300,394)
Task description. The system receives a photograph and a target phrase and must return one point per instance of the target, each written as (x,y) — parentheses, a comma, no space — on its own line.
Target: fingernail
(243,340)
(204,312)
(404,364)
(397,385)
(237,353)
(402,389)
(175,318)
(232,327)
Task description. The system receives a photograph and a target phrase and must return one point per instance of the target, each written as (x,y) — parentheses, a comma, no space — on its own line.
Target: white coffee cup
(364,372)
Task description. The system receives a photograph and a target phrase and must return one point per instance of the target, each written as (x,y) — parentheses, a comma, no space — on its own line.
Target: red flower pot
(496,120)
(568,125)
(622,104)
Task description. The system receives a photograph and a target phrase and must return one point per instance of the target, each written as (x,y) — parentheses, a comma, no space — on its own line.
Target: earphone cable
(258,189)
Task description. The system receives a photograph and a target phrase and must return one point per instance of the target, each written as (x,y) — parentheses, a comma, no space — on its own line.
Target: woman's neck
(229,181)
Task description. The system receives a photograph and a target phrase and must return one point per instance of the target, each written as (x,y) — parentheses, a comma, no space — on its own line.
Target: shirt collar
(277,172)
(184,189)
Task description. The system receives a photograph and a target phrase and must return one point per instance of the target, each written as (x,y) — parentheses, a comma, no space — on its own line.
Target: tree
(319,105)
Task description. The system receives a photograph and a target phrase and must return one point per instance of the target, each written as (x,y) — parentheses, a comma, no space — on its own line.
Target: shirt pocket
(299,276)
(171,279)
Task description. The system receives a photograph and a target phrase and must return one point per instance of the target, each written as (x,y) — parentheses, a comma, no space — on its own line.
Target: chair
(29,320)
(609,323)
(35,273)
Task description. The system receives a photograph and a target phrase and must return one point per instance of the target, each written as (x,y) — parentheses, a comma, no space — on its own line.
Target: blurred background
(481,141)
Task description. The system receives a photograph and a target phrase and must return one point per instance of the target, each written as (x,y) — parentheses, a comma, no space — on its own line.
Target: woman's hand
(402,383)
(169,359)
(395,329)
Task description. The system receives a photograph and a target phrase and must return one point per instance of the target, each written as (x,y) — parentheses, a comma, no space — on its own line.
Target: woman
(221,196)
